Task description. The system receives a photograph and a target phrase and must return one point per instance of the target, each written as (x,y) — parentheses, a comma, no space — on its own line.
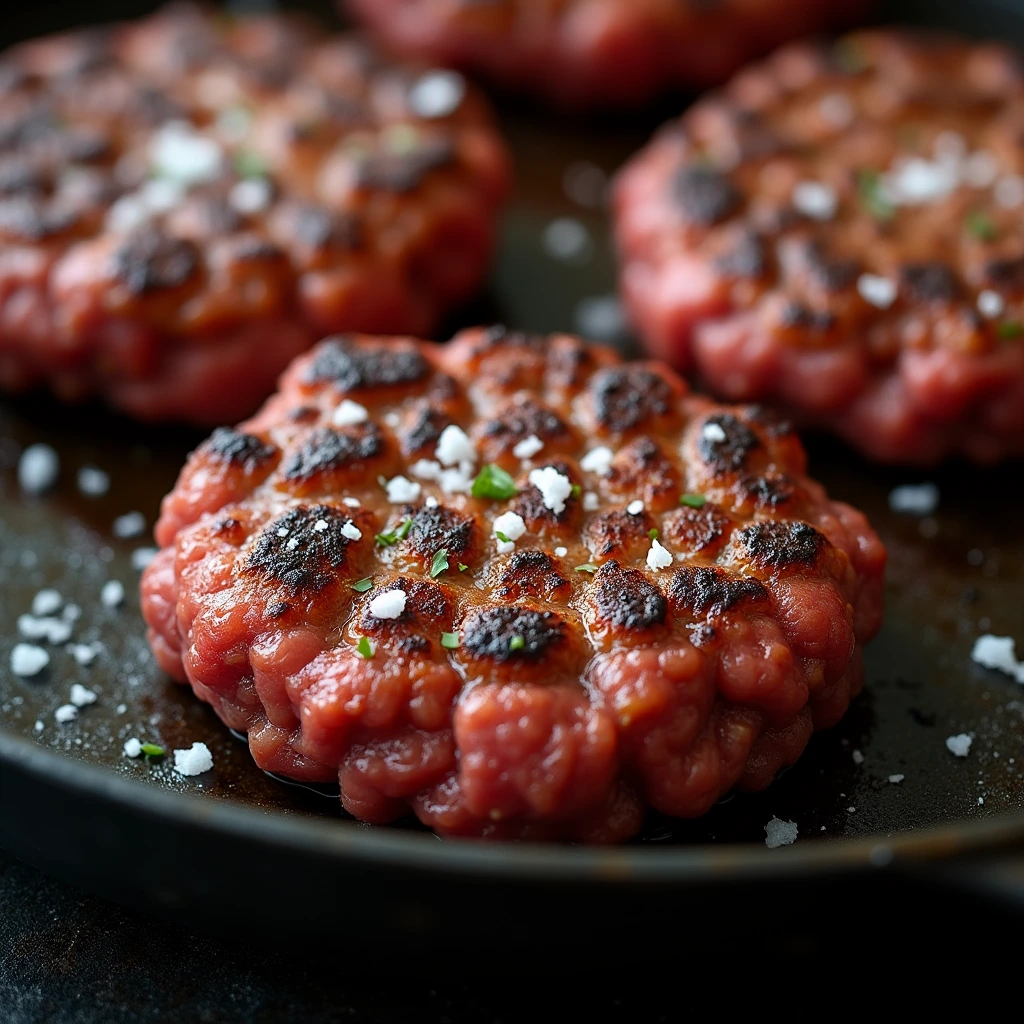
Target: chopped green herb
(652,533)
(1010,329)
(502,537)
(364,647)
(450,640)
(439,564)
(403,530)
(493,482)
(872,196)
(517,643)
(392,537)
(363,585)
(693,500)
(981,226)
(250,165)
(577,490)
(153,750)
(463,567)
(586,567)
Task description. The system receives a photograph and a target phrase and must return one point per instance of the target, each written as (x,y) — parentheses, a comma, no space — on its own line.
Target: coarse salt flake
(49,628)
(437,94)
(991,304)
(112,594)
(528,447)
(895,780)
(714,433)
(194,761)
(780,833)
(815,200)
(554,487)
(81,695)
(998,652)
(132,748)
(180,153)
(388,605)
(877,291)
(93,482)
(634,508)
(251,195)
(84,654)
(349,413)
(659,557)
(561,552)
(914,499)
(38,468)
(858,757)
(350,502)
(511,524)
(454,446)
(400,490)
(350,531)
(46,602)
(131,524)
(591,502)
(141,557)
(959,745)
(598,460)
(28,660)
(426,469)
(65,713)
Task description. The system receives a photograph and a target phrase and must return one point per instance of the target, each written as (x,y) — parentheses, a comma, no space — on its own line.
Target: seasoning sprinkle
(439,564)
(981,226)
(1010,329)
(493,482)
(693,500)
(586,567)
(450,640)
(517,643)
(364,647)
(363,585)
(653,533)
(872,195)
(152,750)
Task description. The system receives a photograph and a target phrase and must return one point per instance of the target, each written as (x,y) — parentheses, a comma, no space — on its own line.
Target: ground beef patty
(839,232)
(189,201)
(512,584)
(597,52)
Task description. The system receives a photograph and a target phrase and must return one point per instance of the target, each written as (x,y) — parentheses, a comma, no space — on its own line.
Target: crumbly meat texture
(594,53)
(839,233)
(189,201)
(584,683)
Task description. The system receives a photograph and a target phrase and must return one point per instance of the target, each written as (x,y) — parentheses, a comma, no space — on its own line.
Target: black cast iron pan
(235,848)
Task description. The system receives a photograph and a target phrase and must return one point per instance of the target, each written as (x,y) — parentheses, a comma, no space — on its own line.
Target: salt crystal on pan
(634,508)
(349,413)
(959,745)
(84,654)
(561,552)
(998,652)
(914,499)
(131,524)
(454,446)
(658,557)
(815,200)
(350,531)
(598,460)
(991,304)
(554,487)
(400,490)
(28,660)
(194,761)
(455,481)
(430,501)
(141,557)
(132,748)
(81,695)
(426,469)
(46,602)
(780,833)
(511,524)
(350,502)
(858,757)
(93,482)
(437,94)
(180,153)
(38,468)
(65,713)
(112,594)
(896,779)
(714,433)
(251,195)
(565,238)
(53,630)
(877,291)
(388,605)
(591,502)
(528,447)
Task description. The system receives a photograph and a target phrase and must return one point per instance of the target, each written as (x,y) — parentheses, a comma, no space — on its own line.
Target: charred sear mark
(616,532)
(278,608)
(325,449)
(705,195)
(746,259)
(253,249)
(520,418)
(423,429)
(770,421)
(625,598)
(500,337)
(317,228)
(20,176)
(299,551)
(930,282)
(439,527)
(626,396)
(829,272)
(350,366)
(641,467)
(529,573)
(511,631)
(697,529)
(780,543)
(403,171)
(567,361)
(730,452)
(238,449)
(795,314)
(150,260)
(1006,273)
(427,608)
(33,219)
(768,491)
(704,590)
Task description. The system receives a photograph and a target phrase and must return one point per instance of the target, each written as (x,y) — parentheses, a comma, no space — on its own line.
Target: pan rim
(532,862)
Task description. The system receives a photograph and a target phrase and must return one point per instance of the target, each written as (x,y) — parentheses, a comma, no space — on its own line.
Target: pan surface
(880,786)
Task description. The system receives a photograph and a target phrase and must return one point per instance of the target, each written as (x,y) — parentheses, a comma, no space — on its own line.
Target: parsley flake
(250,165)
(653,533)
(463,567)
(981,226)
(693,500)
(493,482)
(450,640)
(364,647)
(440,563)
(517,643)
(502,537)
(872,196)
(363,585)
(586,567)
(391,537)
(152,750)
(577,490)
(1010,329)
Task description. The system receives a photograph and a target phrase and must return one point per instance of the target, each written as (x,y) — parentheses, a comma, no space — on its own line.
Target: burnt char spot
(520,418)
(33,219)
(567,360)
(930,282)
(499,336)
(614,533)
(426,607)
(278,608)
(626,396)
(642,468)
(770,421)
(627,599)
(779,543)
(403,172)
(746,259)
(239,449)
(830,273)
(439,527)
(20,176)
(697,529)
(325,449)
(704,195)
(1008,273)
(253,249)
(316,228)
(149,260)
(350,366)
(705,590)
(424,429)
(489,632)
(529,573)
(731,452)
(293,550)
(768,491)
(795,314)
